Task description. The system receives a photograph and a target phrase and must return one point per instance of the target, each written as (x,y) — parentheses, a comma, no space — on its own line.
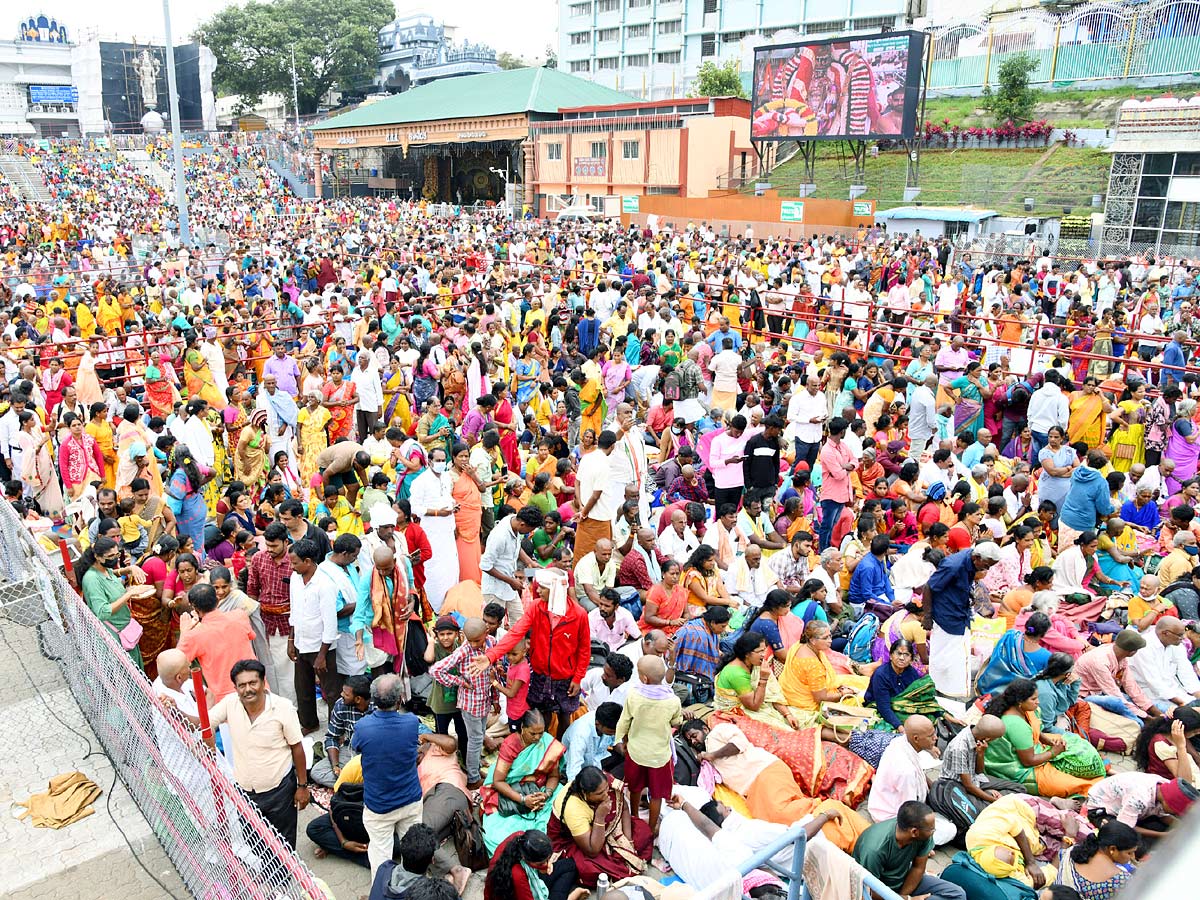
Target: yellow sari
(593,405)
(103,433)
(313,439)
(396,408)
(803,675)
(1088,421)
(1128,445)
(200,382)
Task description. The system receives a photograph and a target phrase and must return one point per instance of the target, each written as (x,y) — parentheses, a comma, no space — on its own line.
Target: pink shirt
(519,705)
(835,480)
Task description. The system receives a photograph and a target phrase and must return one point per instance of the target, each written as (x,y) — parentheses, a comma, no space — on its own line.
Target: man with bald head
(595,571)
(1161,669)
(678,541)
(689,486)
(174,684)
(900,775)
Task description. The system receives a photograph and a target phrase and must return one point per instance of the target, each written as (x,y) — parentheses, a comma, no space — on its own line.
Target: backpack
(670,388)
(862,637)
(346,811)
(950,799)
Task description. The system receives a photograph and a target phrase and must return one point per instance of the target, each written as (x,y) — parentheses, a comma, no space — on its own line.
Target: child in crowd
(475,693)
(515,685)
(651,711)
(134,528)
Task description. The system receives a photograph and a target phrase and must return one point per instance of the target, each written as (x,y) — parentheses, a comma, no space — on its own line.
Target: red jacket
(562,652)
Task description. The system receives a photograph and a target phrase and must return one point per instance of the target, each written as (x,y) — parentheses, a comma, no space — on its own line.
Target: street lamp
(185,232)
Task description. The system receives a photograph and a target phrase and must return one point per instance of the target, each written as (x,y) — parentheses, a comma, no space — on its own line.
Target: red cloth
(571,638)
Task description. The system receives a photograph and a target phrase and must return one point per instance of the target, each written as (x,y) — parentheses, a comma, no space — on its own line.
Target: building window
(669,58)
(672,26)
(637,31)
(630,150)
(638,4)
(730,37)
(710,6)
(599,149)
(579,66)
(580,38)
(608,63)
(554,151)
(608,34)
(607,6)
(637,60)
(824,27)
(581,9)
(708,45)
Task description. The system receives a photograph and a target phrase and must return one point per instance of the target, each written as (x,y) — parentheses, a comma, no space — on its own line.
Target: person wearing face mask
(433,503)
(106,595)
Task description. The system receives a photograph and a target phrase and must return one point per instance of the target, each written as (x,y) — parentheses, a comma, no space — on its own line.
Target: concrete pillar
(317,173)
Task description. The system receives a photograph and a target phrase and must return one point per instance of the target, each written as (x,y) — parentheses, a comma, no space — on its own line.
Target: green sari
(534,764)
(918,699)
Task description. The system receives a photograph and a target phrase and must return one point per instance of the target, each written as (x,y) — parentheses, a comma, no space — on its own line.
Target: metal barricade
(217,840)
(792,874)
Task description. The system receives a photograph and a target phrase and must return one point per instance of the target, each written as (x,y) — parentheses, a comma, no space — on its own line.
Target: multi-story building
(653,48)
(55,83)
(416,49)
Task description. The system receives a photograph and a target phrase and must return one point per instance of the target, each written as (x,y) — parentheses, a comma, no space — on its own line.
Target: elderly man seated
(1161,669)
(641,567)
(595,571)
(678,541)
(1181,560)
(900,776)
(749,579)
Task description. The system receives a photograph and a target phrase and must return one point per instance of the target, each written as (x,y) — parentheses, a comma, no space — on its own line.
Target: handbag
(701,687)
(130,634)
(468,841)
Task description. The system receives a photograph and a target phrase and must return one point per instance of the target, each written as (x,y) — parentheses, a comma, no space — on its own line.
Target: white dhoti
(441,571)
(948,660)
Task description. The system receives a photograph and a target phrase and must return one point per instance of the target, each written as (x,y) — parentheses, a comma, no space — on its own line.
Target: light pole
(295,94)
(185,231)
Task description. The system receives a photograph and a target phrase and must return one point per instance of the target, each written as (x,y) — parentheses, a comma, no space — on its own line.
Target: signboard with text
(630,204)
(591,165)
(53,93)
(864,208)
(791,211)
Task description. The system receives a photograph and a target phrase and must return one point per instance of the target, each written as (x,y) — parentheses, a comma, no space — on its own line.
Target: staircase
(28,182)
(149,168)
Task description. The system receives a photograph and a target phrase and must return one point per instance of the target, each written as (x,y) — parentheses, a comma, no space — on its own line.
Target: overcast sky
(523,28)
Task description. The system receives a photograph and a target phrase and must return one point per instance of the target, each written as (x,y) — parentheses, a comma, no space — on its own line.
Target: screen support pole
(808,151)
(859,150)
(914,146)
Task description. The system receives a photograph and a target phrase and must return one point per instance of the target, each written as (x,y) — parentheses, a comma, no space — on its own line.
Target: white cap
(382,514)
(988,550)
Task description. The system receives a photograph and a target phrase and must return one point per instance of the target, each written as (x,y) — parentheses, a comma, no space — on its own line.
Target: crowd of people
(588,553)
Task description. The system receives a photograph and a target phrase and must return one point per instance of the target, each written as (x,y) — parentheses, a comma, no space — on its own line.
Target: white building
(53,83)
(653,48)
(416,49)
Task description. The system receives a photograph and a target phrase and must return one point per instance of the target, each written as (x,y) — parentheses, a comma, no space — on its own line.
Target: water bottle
(601,886)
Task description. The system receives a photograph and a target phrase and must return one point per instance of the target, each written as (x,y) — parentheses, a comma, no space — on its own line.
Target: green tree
(336,43)
(508,60)
(1013,99)
(718,80)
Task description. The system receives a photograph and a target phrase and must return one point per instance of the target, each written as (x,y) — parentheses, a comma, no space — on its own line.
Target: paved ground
(88,859)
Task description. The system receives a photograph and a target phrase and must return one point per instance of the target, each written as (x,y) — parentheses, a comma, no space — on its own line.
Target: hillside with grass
(1055,177)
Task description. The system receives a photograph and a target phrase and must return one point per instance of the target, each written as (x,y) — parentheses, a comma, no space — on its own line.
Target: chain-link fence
(217,840)
(997,248)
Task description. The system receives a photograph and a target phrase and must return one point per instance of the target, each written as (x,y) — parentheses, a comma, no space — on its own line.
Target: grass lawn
(994,179)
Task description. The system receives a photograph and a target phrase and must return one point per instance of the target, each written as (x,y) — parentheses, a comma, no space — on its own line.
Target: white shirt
(1162,672)
(802,407)
(678,547)
(627,463)
(197,437)
(724,367)
(313,616)
(1048,407)
(369,387)
(595,474)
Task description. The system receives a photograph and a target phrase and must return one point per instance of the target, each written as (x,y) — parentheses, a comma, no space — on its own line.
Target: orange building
(680,148)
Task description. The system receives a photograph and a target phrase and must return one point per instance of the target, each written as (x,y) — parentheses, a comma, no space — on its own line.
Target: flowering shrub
(1027,135)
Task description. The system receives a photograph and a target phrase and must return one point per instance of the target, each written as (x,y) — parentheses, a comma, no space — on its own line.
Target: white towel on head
(554,580)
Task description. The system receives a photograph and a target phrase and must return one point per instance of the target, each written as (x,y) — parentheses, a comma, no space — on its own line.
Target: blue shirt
(885,684)
(718,336)
(387,741)
(870,580)
(950,588)
(584,746)
(973,455)
(1174,361)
